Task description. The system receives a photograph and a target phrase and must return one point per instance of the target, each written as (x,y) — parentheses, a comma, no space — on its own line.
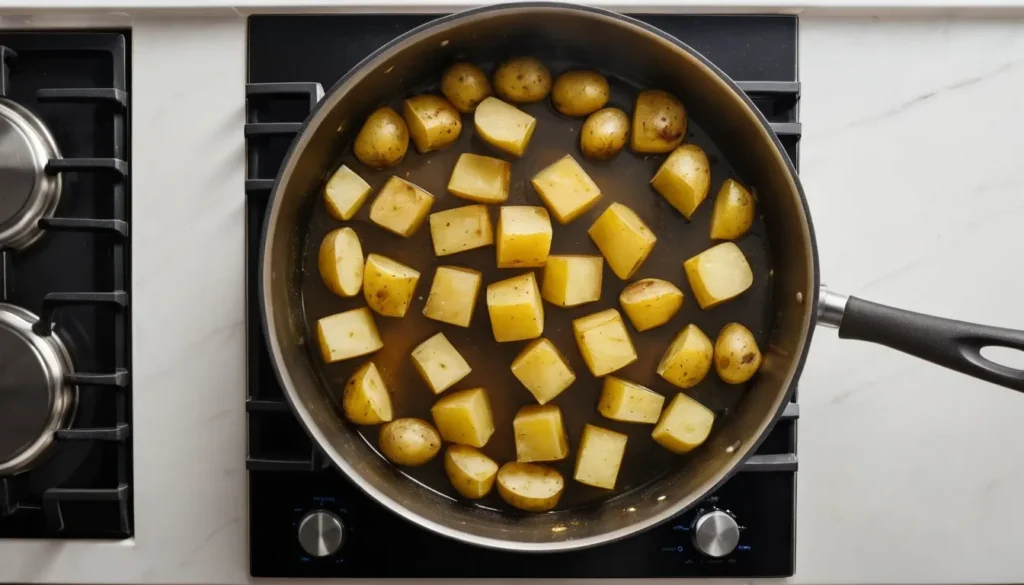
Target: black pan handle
(949,343)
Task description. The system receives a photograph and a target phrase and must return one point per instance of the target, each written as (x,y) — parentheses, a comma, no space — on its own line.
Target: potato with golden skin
(410,442)
(365,399)
(604,134)
(341,262)
(433,122)
(737,357)
(688,359)
(471,473)
(580,92)
(530,487)
(522,80)
(465,85)
(659,122)
(383,140)
(733,213)
(650,302)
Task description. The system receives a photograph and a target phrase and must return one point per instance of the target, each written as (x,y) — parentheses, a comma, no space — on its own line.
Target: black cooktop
(291,58)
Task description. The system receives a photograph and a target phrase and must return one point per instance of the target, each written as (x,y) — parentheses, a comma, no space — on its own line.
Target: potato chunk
(388,286)
(365,399)
(480,178)
(599,457)
(433,122)
(453,295)
(465,85)
(684,425)
(409,441)
(566,189)
(737,357)
(659,122)
(540,434)
(504,126)
(522,80)
(345,193)
(400,207)
(688,359)
(718,274)
(341,262)
(524,236)
(543,370)
(347,335)
(530,487)
(570,281)
(464,417)
(604,342)
(623,238)
(627,401)
(651,302)
(471,472)
(684,178)
(515,308)
(383,139)
(733,213)
(460,229)
(439,363)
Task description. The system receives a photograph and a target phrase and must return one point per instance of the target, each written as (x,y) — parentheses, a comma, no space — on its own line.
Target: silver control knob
(716,534)
(321,533)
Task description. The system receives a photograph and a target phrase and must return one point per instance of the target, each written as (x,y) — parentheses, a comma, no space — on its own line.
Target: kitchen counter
(910,157)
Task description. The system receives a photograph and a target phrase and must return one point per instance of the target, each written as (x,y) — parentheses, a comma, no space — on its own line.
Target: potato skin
(433,122)
(650,302)
(737,357)
(409,441)
(522,80)
(733,213)
(580,93)
(341,262)
(604,134)
(383,140)
(659,122)
(545,484)
(465,85)
(468,484)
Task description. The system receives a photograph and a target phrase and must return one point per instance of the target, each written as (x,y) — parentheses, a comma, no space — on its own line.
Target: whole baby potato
(409,441)
(465,85)
(383,140)
(579,93)
(737,357)
(604,134)
(522,80)
(659,122)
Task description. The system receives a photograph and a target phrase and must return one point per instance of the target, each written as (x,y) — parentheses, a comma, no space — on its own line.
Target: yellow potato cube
(540,434)
(524,236)
(464,417)
(684,425)
(599,457)
(684,178)
(718,274)
(400,207)
(570,281)
(627,401)
(388,286)
(347,335)
(688,359)
(341,262)
(345,193)
(471,472)
(460,229)
(453,295)
(543,370)
(566,189)
(604,342)
(504,126)
(439,363)
(432,121)
(623,238)
(651,302)
(365,399)
(515,308)
(480,178)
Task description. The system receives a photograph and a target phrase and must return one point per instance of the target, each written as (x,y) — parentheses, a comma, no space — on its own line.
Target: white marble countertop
(911,160)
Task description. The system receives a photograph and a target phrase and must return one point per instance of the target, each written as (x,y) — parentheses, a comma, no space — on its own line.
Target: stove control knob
(321,533)
(716,534)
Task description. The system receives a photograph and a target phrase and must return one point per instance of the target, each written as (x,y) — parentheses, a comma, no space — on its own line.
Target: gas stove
(307,520)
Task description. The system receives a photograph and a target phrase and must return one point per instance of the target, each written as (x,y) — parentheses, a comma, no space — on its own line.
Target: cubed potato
(540,434)
(651,302)
(684,425)
(684,178)
(530,487)
(737,357)
(464,417)
(471,472)
(345,193)
(566,189)
(388,286)
(524,236)
(365,399)
(515,308)
(439,363)
(453,295)
(627,401)
(347,335)
(688,359)
(460,229)
(543,370)
(733,213)
(604,342)
(599,457)
(570,281)
(433,122)
(718,274)
(623,238)
(400,207)
(504,126)
(479,178)
(341,262)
